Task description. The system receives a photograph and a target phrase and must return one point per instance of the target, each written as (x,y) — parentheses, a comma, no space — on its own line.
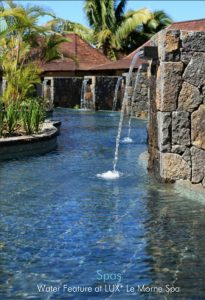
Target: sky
(177,10)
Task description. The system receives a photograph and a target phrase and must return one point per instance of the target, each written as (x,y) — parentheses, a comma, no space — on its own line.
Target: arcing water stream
(114,174)
(116,93)
(82,100)
(128,139)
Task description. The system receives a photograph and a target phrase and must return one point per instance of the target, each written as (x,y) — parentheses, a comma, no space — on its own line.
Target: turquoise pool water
(63,227)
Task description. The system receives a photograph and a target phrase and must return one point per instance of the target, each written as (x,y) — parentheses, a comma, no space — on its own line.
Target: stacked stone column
(179,107)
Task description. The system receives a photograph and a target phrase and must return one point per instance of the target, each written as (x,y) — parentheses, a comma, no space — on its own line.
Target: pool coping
(20,146)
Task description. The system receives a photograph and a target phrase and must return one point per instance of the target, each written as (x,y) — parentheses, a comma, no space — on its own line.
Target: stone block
(198,164)
(193,41)
(198,127)
(189,97)
(173,167)
(186,56)
(164,121)
(187,156)
(169,83)
(194,72)
(169,45)
(180,129)
(179,149)
(158,88)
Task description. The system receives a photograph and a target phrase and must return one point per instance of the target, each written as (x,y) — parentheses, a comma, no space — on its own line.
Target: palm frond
(119,10)
(132,20)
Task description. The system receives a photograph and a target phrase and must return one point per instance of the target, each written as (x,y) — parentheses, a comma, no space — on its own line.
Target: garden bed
(21,146)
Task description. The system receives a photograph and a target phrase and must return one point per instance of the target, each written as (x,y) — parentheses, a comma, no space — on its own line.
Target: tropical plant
(32,115)
(20,74)
(22,21)
(111,25)
(64,27)
(26,116)
(2,115)
(12,117)
(159,20)
(144,32)
(48,48)
(24,46)
(38,115)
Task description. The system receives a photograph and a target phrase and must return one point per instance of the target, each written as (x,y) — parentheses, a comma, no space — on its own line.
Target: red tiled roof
(193,25)
(86,56)
(124,64)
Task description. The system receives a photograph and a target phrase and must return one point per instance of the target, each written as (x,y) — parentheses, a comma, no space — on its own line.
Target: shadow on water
(60,224)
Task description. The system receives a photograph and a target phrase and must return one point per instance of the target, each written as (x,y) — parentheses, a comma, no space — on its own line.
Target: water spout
(114,174)
(128,139)
(82,97)
(117,86)
(125,99)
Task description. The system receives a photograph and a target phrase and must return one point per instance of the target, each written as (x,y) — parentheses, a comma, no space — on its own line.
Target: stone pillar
(177,141)
(48,92)
(90,92)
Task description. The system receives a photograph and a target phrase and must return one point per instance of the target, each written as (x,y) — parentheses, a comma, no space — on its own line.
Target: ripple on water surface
(59,223)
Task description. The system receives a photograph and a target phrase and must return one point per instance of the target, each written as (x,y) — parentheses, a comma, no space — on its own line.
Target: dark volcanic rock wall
(179,107)
(104,92)
(67,91)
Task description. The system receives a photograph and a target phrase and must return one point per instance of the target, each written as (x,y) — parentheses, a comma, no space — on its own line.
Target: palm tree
(158,21)
(22,43)
(111,25)
(23,20)
(20,74)
(64,27)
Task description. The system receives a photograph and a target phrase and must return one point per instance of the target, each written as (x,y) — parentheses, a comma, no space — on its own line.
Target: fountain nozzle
(149,52)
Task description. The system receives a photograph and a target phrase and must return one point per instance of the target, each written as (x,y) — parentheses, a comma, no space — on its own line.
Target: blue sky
(178,10)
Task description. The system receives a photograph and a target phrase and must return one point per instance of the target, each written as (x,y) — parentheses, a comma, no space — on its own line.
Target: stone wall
(140,103)
(104,92)
(177,107)
(138,94)
(67,91)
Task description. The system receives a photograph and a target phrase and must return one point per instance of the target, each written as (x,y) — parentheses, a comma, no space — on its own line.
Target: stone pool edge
(28,145)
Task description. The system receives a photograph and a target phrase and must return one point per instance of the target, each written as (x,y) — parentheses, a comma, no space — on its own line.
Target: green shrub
(26,116)
(32,115)
(2,115)
(12,117)
(38,115)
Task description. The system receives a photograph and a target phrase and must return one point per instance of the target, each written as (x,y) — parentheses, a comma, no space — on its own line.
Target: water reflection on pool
(62,225)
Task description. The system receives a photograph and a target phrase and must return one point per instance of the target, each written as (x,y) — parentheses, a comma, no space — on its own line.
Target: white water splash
(109,175)
(127,140)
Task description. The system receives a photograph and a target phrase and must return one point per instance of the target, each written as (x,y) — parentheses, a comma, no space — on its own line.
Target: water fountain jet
(82,98)
(117,86)
(114,174)
(128,139)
